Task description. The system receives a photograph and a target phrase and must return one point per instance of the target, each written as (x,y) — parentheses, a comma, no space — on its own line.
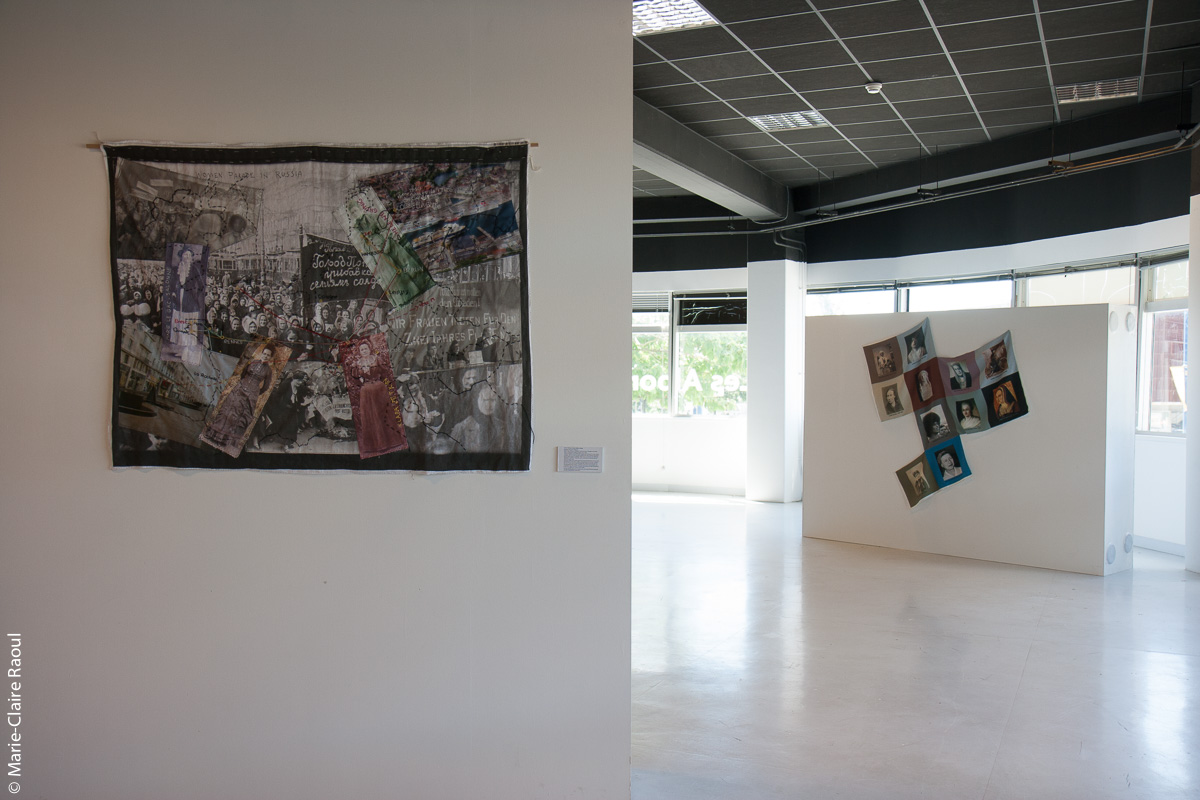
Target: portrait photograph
(925,383)
(936,424)
(970,412)
(917,344)
(959,375)
(185,281)
(374,402)
(884,360)
(916,480)
(245,394)
(996,358)
(948,462)
(1005,400)
(892,400)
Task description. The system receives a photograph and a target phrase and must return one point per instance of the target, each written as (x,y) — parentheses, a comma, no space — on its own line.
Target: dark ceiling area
(974,94)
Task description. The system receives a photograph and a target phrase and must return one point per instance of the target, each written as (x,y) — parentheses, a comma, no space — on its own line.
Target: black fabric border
(203,458)
(286,154)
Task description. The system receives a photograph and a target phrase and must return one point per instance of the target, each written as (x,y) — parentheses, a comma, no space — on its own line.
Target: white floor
(770,666)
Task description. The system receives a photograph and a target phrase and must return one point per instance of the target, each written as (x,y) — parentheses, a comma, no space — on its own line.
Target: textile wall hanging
(948,397)
(320,307)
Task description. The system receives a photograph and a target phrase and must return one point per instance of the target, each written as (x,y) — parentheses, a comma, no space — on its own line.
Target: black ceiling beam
(676,153)
(1136,125)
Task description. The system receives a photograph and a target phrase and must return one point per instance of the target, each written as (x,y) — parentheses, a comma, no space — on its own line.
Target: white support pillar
(775,374)
(1191,522)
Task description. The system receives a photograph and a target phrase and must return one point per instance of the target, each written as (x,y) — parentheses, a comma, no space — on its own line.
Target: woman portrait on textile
(891,401)
(1003,401)
(233,341)
(934,426)
(959,377)
(968,415)
(924,385)
(916,347)
(948,461)
(919,481)
(237,412)
(378,428)
(183,310)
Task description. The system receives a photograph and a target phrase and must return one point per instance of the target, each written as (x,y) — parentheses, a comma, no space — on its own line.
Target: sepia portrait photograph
(916,480)
(883,360)
(892,400)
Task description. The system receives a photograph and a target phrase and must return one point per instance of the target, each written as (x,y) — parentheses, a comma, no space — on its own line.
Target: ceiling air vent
(789,121)
(659,16)
(1096,90)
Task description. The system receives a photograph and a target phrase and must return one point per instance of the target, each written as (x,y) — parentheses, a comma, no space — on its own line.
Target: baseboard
(1158,544)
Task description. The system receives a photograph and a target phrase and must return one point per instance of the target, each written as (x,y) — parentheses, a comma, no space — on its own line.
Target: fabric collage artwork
(320,307)
(948,397)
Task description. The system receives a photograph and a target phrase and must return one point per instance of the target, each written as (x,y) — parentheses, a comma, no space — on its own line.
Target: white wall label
(581,459)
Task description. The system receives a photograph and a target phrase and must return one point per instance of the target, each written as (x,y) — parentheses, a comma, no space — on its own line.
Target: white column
(775,373)
(1191,523)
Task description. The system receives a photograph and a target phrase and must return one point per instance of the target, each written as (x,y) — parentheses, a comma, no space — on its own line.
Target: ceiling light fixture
(789,121)
(1096,90)
(874,87)
(658,16)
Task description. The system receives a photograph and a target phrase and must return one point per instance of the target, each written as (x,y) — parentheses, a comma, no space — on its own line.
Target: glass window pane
(712,311)
(954,296)
(651,319)
(650,379)
(1167,281)
(711,373)
(1117,285)
(824,304)
(1163,368)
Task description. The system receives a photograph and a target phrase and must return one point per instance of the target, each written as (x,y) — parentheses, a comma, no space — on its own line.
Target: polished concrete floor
(766,665)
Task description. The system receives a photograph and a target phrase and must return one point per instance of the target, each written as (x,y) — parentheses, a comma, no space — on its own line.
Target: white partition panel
(1044,488)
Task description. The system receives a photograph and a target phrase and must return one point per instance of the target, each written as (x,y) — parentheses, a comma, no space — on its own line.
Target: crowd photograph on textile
(320,308)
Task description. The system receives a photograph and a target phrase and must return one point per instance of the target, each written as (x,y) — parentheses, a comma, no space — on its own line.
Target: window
(710,363)
(954,296)
(700,340)
(1111,285)
(651,353)
(862,301)
(1162,362)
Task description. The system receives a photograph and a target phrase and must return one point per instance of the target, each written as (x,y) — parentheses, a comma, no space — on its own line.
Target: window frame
(1143,262)
(1146,307)
(659,302)
(678,327)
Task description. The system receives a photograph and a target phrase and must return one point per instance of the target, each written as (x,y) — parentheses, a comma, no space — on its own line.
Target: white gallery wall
(1051,489)
(271,635)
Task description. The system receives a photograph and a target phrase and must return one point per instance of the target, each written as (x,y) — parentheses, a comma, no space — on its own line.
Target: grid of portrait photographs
(320,308)
(949,398)
(893,365)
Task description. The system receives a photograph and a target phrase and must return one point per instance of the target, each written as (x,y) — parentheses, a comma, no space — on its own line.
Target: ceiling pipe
(918,201)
